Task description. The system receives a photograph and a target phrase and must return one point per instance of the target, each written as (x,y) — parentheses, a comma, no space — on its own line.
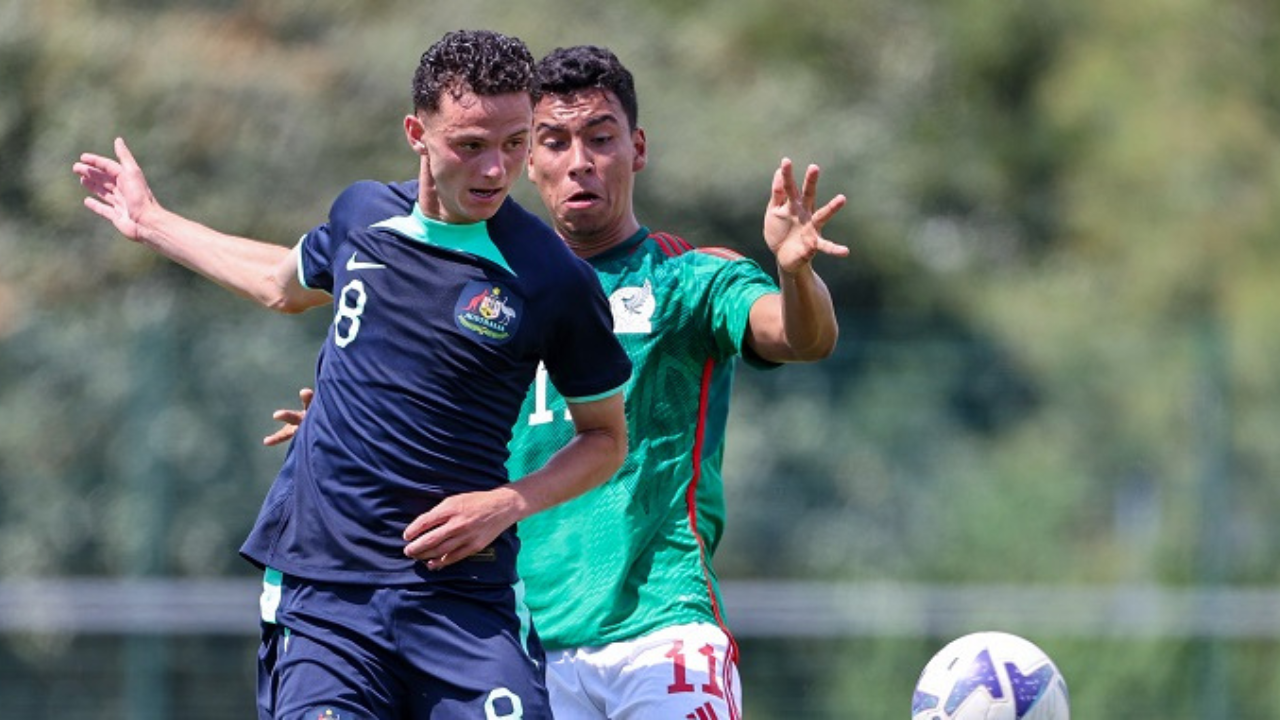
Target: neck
(428,201)
(588,244)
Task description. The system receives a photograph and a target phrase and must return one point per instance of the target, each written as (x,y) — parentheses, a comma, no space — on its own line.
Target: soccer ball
(990,676)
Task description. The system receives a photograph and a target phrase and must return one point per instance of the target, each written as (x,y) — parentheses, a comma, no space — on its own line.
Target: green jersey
(634,555)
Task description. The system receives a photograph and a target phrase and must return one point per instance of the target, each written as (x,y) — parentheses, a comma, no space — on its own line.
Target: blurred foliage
(1058,323)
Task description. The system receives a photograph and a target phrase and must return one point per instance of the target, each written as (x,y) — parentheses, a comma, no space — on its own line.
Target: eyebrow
(593,121)
(480,136)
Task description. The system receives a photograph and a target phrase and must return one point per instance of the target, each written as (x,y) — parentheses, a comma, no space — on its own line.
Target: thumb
(122,152)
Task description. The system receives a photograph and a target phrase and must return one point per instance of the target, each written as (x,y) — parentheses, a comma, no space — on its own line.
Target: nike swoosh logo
(353,264)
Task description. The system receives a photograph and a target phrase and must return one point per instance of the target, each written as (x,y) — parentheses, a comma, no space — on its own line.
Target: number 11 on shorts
(680,671)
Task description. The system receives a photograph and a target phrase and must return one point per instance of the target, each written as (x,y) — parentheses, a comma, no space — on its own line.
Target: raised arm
(260,271)
(798,324)
(464,524)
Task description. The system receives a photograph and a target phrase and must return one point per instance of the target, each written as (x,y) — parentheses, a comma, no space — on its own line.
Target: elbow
(616,455)
(621,447)
(278,299)
(827,347)
(821,348)
(284,306)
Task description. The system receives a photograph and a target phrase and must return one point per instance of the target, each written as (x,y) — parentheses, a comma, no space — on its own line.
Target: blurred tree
(1048,201)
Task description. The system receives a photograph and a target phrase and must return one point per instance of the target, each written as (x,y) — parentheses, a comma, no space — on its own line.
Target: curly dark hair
(565,71)
(479,61)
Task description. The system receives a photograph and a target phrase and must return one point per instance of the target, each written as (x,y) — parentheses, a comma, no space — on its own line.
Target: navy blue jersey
(437,334)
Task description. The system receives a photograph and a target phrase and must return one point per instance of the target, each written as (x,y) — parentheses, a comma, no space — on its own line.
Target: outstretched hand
(792,228)
(291,419)
(118,189)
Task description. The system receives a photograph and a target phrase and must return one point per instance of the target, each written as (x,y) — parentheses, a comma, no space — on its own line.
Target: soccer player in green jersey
(619,580)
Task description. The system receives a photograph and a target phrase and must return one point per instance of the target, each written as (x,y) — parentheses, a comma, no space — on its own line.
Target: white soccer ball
(990,676)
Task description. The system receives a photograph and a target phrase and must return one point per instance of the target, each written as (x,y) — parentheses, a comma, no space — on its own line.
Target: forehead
(579,108)
(503,114)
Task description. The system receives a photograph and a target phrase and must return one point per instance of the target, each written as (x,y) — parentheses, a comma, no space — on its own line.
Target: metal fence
(763,609)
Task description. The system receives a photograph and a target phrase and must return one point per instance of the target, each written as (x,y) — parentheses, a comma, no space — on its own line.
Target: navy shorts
(448,651)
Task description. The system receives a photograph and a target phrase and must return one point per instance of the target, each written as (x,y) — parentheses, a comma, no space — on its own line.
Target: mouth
(581,199)
(485,194)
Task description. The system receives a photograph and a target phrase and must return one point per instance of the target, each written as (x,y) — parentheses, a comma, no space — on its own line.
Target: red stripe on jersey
(672,245)
(722,252)
(691,507)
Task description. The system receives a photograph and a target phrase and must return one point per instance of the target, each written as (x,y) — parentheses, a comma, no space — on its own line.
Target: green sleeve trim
(600,396)
(269,601)
(272,576)
(302,278)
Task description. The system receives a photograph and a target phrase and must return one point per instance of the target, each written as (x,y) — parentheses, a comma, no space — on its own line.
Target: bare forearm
(808,315)
(249,268)
(585,462)
(797,324)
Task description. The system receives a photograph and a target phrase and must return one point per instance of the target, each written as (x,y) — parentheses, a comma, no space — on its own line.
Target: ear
(641,147)
(414,133)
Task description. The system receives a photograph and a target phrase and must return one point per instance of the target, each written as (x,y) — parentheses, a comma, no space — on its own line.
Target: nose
(495,165)
(581,162)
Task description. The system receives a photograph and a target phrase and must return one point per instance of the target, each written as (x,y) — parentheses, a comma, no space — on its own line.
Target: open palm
(792,228)
(118,190)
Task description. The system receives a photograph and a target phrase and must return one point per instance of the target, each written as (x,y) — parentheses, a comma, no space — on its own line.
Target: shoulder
(701,275)
(722,253)
(674,246)
(531,245)
(368,201)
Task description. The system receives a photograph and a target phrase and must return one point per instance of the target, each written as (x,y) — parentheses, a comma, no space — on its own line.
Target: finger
(292,417)
(99,163)
(284,434)
(826,212)
(810,191)
(306,395)
(436,549)
(424,523)
(101,208)
(827,247)
(94,180)
(447,559)
(122,152)
(426,545)
(788,178)
(456,553)
(778,195)
(82,169)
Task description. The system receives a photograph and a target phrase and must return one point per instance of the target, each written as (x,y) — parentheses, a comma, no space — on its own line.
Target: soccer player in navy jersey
(620,579)
(387,540)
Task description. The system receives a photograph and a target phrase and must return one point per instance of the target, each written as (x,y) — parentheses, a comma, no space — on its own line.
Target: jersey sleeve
(360,205)
(315,253)
(319,246)
(736,283)
(584,359)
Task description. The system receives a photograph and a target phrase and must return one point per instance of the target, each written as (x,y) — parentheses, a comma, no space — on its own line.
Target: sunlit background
(1053,410)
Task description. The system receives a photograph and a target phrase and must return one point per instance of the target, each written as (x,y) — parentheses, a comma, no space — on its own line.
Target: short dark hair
(479,61)
(565,71)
